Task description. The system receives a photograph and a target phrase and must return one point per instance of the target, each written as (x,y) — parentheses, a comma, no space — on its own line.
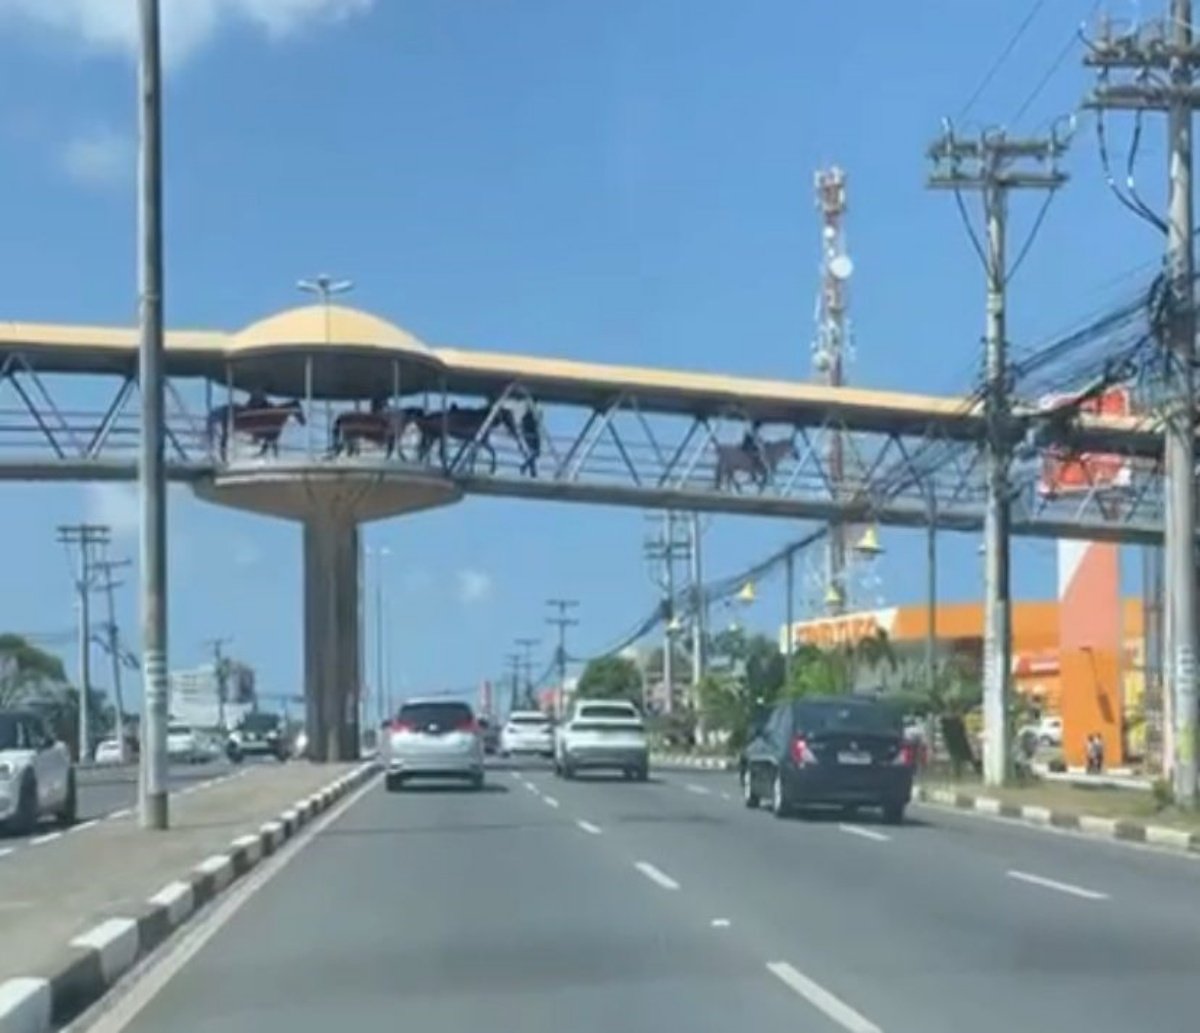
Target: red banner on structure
(1065,472)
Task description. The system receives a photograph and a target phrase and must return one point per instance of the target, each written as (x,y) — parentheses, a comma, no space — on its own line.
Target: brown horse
(382,427)
(759,462)
(263,423)
(464,425)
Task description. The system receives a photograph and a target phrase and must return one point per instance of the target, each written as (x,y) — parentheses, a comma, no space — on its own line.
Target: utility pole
(1162,60)
(663,548)
(514,675)
(109,586)
(994,164)
(152,482)
(526,646)
(217,646)
(562,622)
(86,537)
(789,614)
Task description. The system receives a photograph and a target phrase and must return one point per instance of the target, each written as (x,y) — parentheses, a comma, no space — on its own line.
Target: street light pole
(151,471)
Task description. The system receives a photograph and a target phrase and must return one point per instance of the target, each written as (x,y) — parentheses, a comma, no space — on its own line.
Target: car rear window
(259,723)
(608,712)
(8,732)
(529,719)
(421,714)
(179,730)
(847,717)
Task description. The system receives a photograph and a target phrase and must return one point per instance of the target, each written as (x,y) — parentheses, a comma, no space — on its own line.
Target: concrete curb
(1120,829)
(684,760)
(93,961)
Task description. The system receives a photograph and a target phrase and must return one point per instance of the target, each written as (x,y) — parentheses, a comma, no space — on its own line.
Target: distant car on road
(108,752)
(260,734)
(837,750)
(433,738)
(185,745)
(491,734)
(603,735)
(37,778)
(528,732)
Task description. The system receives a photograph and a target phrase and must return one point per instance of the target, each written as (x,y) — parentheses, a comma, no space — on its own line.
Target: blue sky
(626,180)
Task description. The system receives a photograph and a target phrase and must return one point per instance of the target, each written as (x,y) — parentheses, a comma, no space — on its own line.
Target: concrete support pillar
(331,636)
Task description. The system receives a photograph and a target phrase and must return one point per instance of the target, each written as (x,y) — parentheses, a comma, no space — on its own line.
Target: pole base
(153,813)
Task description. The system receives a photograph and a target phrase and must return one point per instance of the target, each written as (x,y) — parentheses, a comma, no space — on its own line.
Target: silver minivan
(434,738)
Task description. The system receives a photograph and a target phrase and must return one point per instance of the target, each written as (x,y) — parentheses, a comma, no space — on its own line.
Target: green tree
(611,677)
(28,674)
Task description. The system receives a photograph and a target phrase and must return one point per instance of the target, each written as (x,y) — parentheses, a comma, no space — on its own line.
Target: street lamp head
(325,285)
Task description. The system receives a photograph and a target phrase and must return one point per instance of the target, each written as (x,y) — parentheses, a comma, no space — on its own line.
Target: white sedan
(37,778)
(528,732)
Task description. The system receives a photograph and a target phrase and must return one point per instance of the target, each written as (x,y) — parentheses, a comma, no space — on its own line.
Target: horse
(382,427)
(464,424)
(760,462)
(264,424)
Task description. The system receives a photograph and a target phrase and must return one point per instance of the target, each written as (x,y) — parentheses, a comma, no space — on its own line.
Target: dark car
(839,750)
(258,734)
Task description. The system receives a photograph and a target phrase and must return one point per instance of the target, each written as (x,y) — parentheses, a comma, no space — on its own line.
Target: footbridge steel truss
(567,431)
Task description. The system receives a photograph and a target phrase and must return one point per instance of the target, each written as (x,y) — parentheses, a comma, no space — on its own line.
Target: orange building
(1079,656)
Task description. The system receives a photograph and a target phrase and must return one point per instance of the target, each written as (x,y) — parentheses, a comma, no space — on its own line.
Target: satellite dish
(841,268)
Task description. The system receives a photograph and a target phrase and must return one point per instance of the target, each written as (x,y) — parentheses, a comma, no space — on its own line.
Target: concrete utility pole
(995,164)
(700,607)
(86,537)
(217,647)
(514,675)
(526,645)
(562,622)
(664,547)
(152,482)
(1163,59)
(109,587)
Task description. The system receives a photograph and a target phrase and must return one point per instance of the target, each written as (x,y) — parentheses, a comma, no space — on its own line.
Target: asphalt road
(542,905)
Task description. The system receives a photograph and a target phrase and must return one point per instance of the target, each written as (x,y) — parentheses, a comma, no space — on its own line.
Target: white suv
(527,731)
(603,735)
(37,777)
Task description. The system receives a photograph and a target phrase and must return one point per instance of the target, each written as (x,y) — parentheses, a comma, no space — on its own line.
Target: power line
(1005,54)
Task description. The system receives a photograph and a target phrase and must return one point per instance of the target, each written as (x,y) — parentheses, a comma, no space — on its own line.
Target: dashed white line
(726,796)
(550,801)
(654,875)
(1054,884)
(84,825)
(532,788)
(49,837)
(691,787)
(858,830)
(720,923)
(587,826)
(822,999)
(5,851)
(125,812)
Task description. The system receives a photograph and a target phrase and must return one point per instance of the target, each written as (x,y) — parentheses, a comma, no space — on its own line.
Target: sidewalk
(105,868)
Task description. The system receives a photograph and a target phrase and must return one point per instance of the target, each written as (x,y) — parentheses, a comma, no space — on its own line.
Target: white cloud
(116,505)
(111,26)
(101,158)
(474,585)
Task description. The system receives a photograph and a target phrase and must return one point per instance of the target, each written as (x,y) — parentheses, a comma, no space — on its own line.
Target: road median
(79,917)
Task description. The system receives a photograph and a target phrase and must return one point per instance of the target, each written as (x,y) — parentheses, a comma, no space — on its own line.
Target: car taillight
(401,726)
(802,753)
(467,725)
(905,755)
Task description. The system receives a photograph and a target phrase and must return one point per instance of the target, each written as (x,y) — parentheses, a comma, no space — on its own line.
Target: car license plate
(852,757)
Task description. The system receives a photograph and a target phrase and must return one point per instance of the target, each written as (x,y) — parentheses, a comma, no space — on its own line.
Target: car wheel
(69,812)
(642,774)
(477,781)
(779,802)
(568,772)
(393,783)
(24,820)
(749,796)
(893,813)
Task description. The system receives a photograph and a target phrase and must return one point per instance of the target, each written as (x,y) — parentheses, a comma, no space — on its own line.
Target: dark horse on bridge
(472,426)
(258,418)
(381,426)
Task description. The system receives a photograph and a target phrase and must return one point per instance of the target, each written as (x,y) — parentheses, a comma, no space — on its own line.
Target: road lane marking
(726,796)
(49,837)
(720,923)
(691,787)
(858,830)
(532,788)
(5,851)
(84,825)
(550,801)
(1054,884)
(123,813)
(654,875)
(587,826)
(822,999)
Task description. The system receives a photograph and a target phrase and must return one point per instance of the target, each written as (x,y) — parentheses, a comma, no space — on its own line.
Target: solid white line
(117,1011)
(84,825)
(124,813)
(822,999)
(654,875)
(49,837)
(587,826)
(550,801)
(1053,884)
(5,851)
(698,790)
(858,830)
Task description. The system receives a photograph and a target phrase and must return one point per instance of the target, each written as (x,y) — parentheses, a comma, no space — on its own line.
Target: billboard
(1064,472)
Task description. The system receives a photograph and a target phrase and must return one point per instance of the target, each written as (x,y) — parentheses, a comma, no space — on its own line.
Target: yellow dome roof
(316,326)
